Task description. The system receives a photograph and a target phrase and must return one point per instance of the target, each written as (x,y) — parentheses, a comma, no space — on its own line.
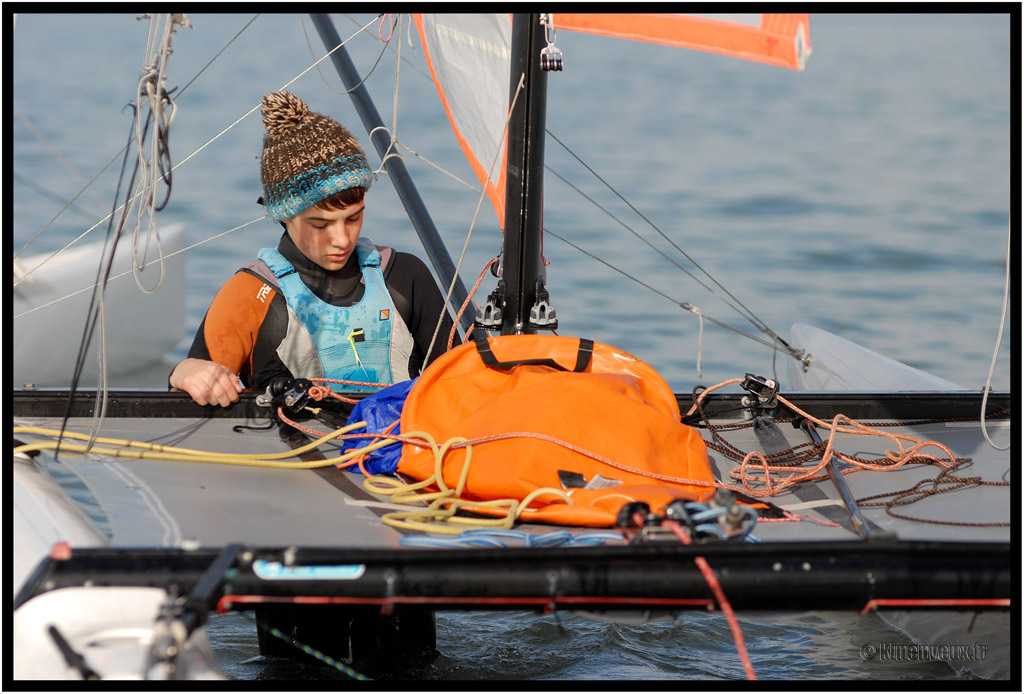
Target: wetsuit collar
(329,285)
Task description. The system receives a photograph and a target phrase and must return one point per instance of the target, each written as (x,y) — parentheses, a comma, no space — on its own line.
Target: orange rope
(716,588)
(462,309)
(790,517)
(361,459)
(380,28)
(754,469)
(756,461)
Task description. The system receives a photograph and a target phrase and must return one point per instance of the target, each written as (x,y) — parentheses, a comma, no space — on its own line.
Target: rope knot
(318,393)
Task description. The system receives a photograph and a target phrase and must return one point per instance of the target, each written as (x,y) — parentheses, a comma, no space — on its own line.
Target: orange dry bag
(545,411)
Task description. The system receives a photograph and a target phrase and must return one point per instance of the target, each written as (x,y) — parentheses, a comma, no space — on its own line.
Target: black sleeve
(420,304)
(266,364)
(198,349)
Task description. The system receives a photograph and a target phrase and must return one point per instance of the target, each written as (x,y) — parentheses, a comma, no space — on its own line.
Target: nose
(339,236)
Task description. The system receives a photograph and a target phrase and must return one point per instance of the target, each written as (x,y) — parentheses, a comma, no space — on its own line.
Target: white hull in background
(838,364)
(140,328)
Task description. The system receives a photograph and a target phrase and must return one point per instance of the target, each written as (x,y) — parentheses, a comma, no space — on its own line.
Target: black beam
(775,576)
(860,406)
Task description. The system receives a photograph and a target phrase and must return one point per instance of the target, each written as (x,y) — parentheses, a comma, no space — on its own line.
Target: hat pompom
(282,110)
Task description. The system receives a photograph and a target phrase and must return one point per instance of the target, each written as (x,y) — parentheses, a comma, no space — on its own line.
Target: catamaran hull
(140,327)
(839,364)
(252,546)
(110,633)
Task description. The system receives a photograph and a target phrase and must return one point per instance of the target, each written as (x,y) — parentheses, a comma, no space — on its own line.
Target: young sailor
(325,302)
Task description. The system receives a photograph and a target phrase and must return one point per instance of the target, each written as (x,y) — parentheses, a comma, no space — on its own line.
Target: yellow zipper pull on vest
(355,336)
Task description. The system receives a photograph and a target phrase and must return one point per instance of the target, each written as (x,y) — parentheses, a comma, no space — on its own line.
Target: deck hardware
(764,392)
(72,657)
(162,660)
(289,394)
(626,513)
(542,314)
(388,605)
(490,315)
(552,605)
(288,558)
(677,511)
(859,524)
(550,56)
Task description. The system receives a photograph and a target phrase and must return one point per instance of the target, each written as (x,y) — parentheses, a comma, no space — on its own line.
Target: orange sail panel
(469,56)
(776,39)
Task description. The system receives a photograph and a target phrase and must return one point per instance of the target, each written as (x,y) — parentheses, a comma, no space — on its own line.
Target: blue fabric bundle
(379,411)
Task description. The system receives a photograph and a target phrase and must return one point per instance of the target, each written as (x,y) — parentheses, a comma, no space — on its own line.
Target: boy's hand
(208,382)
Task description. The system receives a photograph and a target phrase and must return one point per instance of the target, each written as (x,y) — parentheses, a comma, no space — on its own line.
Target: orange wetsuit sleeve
(234,319)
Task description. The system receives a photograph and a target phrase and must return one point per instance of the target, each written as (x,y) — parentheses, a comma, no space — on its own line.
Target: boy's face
(327,237)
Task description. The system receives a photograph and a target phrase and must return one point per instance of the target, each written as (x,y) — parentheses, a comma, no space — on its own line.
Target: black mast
(522,266)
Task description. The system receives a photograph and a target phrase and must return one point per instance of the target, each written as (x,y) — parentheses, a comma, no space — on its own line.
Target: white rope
(700,337)
(174,168)
(995,352)
(476,214)
(398,66)
(388,154)
(439,168)
(152,95)
(169,255)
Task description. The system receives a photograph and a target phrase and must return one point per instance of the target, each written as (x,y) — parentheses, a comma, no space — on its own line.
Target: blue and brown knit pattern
(288,198)
(307,157)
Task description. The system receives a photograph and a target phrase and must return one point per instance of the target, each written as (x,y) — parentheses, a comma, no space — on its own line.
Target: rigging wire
(739,306)
(407,62)
(26,274)
(637,234)
(386,42)
(95,312)
(59,213)
(682,304)
(176,166)
(126,272)
(476,215)
(219,53)
(150,92)
(152,85)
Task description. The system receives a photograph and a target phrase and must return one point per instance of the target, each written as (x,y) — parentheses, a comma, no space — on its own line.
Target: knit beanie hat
(307,157)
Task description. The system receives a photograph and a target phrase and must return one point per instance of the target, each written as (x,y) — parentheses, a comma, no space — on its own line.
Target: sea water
(869,195)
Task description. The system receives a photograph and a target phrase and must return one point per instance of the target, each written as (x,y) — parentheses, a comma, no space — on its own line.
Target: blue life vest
(352,342)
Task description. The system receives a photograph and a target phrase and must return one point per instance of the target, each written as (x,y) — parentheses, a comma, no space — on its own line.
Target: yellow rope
(439,516)
(152,451)
(146,445)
